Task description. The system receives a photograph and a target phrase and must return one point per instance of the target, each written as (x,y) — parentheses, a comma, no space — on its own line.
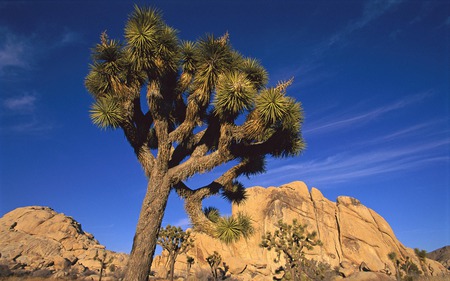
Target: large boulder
(37,239)
(354,237)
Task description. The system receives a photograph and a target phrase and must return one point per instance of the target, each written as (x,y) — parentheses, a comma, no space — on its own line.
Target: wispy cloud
(407,148)
(183,223)
(333,123)
(311,68)
(22,51)
(32,127)
(372,10)
(67,37)
(25,103)
(20,115)
(357,164)
(14,51)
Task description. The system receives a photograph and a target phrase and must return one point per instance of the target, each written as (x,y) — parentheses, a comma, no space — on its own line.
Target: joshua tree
(422,256)
(214,261)
(189,262)
(175,241)
(203,105)
(291,240)
(393,257)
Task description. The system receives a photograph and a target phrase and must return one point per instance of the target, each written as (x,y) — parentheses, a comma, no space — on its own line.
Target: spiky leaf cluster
(106,113)
(230,229)
(236,193)
(212,213)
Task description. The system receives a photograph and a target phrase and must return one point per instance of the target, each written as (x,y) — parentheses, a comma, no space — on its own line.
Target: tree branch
(200,164)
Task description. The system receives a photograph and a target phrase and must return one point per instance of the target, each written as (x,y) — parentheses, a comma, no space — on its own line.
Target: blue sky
(373,78)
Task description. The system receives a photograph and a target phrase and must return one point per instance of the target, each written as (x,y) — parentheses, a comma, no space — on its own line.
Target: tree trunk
(147,229)
(200,222)
(172,268)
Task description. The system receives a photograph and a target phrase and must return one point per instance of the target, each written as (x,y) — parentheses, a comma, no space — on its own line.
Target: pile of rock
(40,242)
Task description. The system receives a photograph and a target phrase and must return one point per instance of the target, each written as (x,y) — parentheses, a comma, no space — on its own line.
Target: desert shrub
(405,269)
(290,241)
(316,270)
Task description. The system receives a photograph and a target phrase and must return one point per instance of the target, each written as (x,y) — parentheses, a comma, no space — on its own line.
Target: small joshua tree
(101,257)
(290,240)
(422,256)
(393,257)
(214,261)
(189,262)
(175,241)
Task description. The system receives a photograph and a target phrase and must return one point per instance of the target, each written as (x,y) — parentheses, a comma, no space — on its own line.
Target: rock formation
(350,232)
(42,242)
(39,241)
(441,255)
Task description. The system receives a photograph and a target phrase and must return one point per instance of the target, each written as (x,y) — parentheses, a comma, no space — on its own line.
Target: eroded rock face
(441,255)
(351,234)
(36,239)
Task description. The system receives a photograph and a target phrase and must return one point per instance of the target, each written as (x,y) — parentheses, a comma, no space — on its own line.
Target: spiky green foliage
(212,213)
(272,105)
(255,73)
(235,94)
(230,229)
(236,193)
(106,113)
(175,241)
(290,242)
(421,254)
(245,221)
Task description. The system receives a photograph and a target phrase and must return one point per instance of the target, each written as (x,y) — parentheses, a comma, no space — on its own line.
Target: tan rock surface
(351,233)
(33,238)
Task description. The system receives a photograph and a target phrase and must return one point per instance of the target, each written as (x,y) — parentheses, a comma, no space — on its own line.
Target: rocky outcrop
(39,241)
(351,234)
(356,240)
(441,255)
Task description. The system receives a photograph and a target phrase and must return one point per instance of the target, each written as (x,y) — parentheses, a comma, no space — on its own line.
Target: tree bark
(147,229)
(172,268)
(200,222)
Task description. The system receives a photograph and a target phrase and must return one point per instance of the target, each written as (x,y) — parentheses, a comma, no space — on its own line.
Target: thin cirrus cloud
(311,69)
(183,223)
(25,103)
(407,148)
(14,51)
(357,119)
(351,165)
(20,51)
(372,10)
